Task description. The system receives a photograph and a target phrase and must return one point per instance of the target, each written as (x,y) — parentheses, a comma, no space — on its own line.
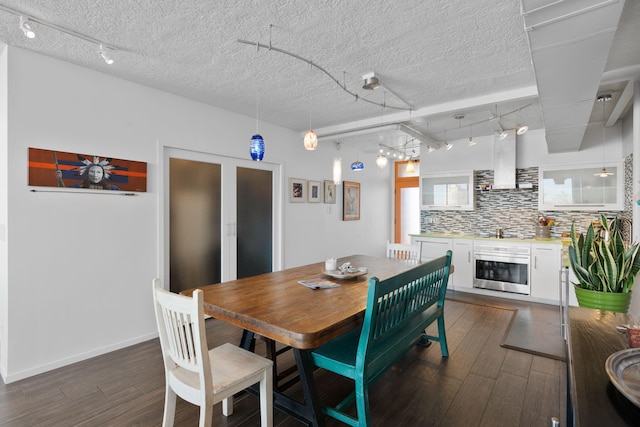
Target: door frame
(229,215)
(400,182)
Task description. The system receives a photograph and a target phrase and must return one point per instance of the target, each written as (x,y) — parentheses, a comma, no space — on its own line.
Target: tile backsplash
(515,211)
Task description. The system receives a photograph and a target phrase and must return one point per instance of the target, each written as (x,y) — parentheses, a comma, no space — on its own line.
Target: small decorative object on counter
(543,227)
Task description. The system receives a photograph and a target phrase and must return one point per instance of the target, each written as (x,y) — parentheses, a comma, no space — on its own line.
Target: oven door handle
(504,258)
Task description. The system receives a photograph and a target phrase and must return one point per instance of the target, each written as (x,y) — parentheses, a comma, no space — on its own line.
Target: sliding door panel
(254,189)
(195,216)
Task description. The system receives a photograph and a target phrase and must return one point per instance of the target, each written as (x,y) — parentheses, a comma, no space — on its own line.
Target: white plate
(337,274)
(623,368)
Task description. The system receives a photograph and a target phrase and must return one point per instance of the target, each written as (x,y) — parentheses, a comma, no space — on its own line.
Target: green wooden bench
(398,311)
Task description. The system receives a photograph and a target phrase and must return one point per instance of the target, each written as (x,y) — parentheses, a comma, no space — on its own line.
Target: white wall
(79,266)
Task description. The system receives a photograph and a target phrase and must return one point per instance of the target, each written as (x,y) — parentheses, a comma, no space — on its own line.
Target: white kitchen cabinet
(546,260)
(448,191)
(462,261)
(576,187)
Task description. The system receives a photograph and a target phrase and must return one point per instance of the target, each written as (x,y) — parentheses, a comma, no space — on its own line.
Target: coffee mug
(330,264)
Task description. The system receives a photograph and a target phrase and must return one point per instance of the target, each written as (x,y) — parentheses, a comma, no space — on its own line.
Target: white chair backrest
(182,334)
(403,251)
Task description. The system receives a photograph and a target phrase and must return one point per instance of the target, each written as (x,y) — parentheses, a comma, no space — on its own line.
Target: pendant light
(357,166)
(603,173)
(381,161)
(337,170)
(337,167)
(256,146)
(410,167)
(446,143)
(521,129)
(310,138)
(471,142)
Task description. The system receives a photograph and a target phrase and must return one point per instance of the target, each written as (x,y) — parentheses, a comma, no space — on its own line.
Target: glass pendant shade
(410,167)
(256,147)
(310,140)
(381,161)
(337,170)
(357,166)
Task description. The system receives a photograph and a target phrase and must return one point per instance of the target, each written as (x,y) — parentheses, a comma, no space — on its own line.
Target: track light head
(25,26)
(371,82)
(102,50)
(522,129)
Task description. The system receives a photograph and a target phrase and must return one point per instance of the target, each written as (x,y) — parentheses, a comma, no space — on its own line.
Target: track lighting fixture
(522,129)
(371,82)
(25,26)
(448,146)
(102,50)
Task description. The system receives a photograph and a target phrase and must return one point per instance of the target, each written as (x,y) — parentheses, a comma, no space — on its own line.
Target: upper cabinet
(578,187)
(447,191)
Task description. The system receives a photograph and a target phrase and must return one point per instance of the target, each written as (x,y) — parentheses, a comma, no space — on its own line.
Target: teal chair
(398,311)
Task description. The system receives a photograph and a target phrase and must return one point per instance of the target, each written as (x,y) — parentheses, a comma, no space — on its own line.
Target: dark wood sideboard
(592,400)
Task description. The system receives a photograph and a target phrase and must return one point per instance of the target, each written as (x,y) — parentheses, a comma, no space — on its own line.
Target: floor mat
(534,328)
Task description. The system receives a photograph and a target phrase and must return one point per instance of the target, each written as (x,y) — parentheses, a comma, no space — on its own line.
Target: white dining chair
(404,251)
(200,376)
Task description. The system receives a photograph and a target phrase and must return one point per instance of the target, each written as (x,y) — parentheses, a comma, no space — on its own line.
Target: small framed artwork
(315,191)
(329,192)
(351,201)
(297,190)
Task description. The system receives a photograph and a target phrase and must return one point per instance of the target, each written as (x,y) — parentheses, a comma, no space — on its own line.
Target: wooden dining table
(276,306)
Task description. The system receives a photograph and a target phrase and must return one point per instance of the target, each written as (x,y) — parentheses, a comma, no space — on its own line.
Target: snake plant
(604,264)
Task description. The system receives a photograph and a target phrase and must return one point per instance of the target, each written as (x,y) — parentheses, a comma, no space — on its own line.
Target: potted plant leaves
(604,265)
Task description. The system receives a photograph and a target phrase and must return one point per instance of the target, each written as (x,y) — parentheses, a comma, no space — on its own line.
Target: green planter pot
(618,302)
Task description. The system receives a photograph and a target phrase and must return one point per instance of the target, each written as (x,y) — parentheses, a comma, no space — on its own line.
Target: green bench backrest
(395,301)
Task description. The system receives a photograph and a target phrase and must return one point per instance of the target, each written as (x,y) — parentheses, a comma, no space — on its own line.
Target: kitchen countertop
(552,240)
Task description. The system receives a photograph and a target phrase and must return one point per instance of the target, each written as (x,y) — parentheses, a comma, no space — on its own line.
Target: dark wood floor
(480,384)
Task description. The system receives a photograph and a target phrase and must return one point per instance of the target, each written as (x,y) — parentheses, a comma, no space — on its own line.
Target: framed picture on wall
(297,190)
(351,201)
(315,191)
(329,192)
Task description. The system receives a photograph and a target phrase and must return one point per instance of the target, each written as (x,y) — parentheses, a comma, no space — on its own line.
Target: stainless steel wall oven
(502,268)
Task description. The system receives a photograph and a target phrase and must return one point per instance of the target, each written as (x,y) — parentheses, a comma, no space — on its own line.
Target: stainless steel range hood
(504,161)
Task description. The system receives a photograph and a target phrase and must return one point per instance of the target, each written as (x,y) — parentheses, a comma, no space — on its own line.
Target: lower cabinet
(546,262)
(545,265)
(462,261)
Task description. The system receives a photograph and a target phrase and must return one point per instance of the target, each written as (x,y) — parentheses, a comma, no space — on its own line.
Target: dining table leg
(309,412)
(313,407)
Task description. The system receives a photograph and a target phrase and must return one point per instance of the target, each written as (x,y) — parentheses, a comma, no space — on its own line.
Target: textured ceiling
(445,58)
